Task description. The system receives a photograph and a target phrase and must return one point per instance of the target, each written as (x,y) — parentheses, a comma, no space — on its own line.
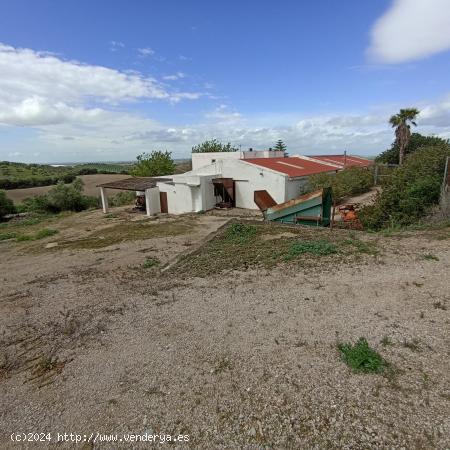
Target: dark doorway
(224,192)
(163,202)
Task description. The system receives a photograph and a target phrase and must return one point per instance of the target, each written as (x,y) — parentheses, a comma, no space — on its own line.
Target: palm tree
(402,129)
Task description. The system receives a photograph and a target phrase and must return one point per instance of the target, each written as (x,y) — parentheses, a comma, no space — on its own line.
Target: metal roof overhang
(134,183)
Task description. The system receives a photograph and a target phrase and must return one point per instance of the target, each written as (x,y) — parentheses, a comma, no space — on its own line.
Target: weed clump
(318,248)
(430,257)
(240,233)
(361,358)
(150,263)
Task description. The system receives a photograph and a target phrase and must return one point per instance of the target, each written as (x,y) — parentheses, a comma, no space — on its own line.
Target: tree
(280,146)
(213,146)
(6,205)
(154,164)
(416,141)
(401,122)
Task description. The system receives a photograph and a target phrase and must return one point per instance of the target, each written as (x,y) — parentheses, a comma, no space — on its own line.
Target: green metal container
(310,209)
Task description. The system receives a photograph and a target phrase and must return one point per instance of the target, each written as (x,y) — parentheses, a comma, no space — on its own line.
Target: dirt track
(240,359)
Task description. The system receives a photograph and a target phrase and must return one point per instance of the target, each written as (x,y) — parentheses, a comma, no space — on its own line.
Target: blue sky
(106,80)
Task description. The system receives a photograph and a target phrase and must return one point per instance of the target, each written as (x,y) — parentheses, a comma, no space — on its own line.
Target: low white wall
(205,159)
(152,201)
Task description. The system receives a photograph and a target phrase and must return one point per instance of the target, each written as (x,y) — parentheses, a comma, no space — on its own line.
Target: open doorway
(224,192)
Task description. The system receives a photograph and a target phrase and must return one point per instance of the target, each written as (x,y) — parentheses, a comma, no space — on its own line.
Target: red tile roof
(293,166)
(340,160)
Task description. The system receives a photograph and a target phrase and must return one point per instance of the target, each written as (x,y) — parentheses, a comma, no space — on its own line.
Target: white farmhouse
(231,179)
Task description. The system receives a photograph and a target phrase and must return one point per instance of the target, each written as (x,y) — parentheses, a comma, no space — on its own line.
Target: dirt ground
(245,357)
(90,187)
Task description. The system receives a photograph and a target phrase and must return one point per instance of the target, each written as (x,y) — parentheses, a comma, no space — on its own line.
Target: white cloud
(146,51)
(175,76)
(40,88)
(116,45)
(411,29)
(72,111)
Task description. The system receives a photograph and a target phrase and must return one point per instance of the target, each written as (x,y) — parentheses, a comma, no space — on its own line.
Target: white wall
(262,154)
(205,159)
(249,178)
(152,201)
(189,193)
(295,187)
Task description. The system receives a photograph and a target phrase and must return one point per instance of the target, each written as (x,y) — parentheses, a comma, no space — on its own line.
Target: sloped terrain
(235,344)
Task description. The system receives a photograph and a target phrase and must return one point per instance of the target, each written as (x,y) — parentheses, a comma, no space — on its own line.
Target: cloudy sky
(106,80)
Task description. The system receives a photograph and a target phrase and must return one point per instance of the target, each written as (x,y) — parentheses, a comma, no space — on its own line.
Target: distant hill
(15,175)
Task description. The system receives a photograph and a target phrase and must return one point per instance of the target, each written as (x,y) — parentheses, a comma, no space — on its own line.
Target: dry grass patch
(244,245)
(131,231)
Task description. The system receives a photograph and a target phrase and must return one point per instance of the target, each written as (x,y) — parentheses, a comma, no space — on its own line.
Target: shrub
(6,205)
(351,181)
(214,146)
(123,198)
(416,141)
(63,197)
(361,358)
(410,191)
(154,164)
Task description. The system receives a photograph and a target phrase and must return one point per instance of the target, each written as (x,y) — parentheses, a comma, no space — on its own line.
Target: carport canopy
(130,184)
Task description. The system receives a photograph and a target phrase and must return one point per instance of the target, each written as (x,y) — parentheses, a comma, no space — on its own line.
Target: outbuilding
(229,180)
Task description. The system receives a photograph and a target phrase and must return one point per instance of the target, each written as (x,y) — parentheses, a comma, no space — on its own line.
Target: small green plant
(5,236)
(361,358)
(386,341)
(430,257)
(240,233)
(318,248)
(150,263)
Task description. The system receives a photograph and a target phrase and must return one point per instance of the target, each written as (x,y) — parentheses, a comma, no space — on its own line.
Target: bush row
(410,191)
(351,181)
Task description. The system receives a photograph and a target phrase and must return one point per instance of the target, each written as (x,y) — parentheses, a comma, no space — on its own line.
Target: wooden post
(332,216)
(104,200)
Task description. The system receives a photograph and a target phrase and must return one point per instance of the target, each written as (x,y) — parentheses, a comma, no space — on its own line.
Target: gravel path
(238,360)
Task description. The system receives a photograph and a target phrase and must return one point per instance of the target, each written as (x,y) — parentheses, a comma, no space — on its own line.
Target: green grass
(317,248)
(361,358)
(359,246)
(386,341)
(20,237)
(240,233)
(41,234)
(150,263)
(7,235)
